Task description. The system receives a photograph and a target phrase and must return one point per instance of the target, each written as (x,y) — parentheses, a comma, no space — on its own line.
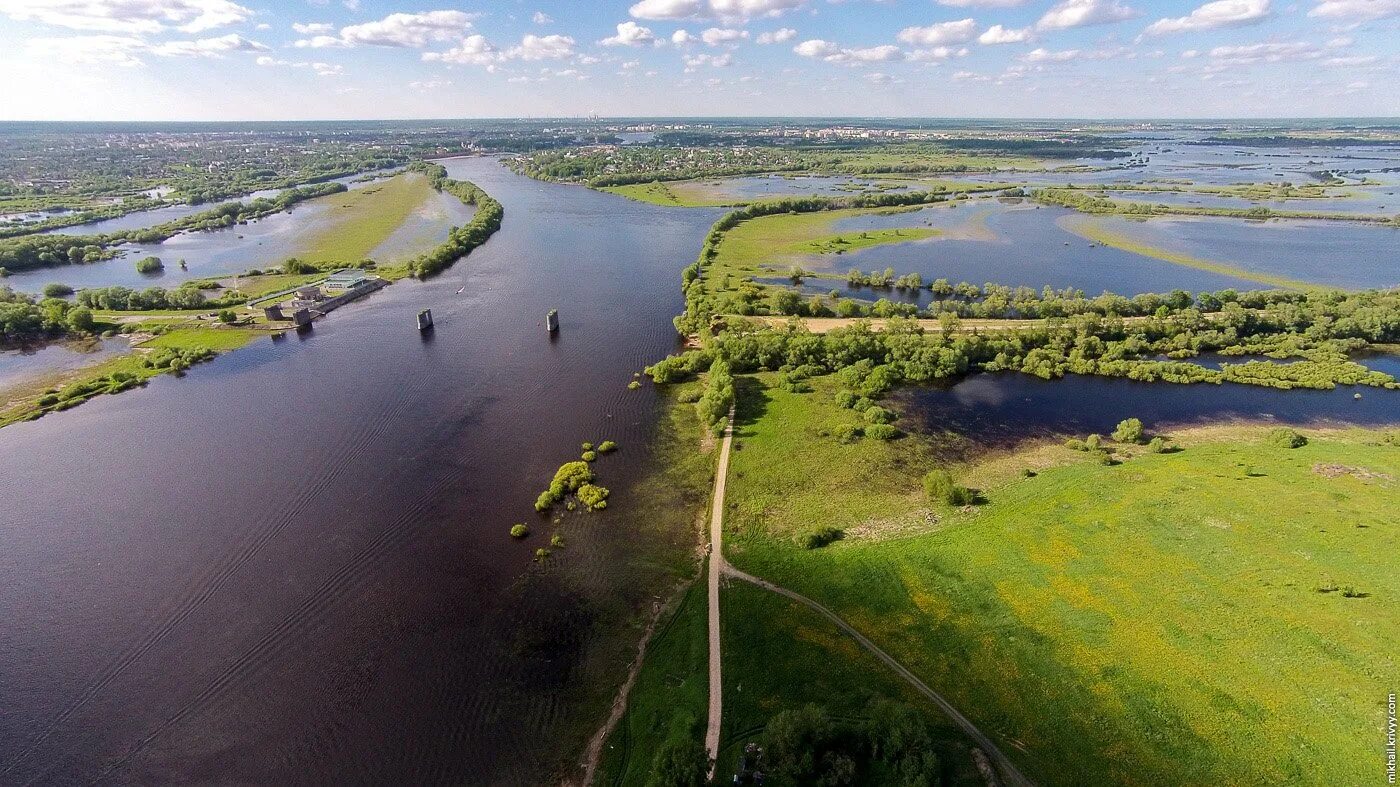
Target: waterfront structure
(345,279)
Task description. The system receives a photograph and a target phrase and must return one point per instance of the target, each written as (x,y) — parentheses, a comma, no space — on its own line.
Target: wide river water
(292,564)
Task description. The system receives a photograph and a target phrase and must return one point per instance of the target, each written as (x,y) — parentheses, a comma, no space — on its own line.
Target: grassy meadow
(1225,613)
(364,218)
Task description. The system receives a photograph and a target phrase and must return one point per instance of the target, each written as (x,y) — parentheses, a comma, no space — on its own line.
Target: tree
(149,265)
(1129,431)
(680,762)
(79,319)
(939,486)
(795,741)
(227,316)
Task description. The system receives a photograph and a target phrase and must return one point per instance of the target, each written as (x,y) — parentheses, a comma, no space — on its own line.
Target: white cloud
(532,47)
(682,38)
(411,31)
(327,70)
(1361,10)
(1221,13)
(1042,55)
(937,54)
(716,61)
(722,9)
(1270,52)
(779,36)
(1351,61)
(996,34)
(981,4)
(208,47)
(940,34)
(879,78)
(715,36)
(831,53)
(1081,13)
(541,18)
(429,84)
(630,34)
(128,16)
(666,9)
(312,28)
(474,50)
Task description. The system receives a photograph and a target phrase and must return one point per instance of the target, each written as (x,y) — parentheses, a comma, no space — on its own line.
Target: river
(291,565)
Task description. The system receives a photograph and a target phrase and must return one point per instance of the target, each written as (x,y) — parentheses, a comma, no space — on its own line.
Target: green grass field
(363,218)
(1176,618)
(675,194)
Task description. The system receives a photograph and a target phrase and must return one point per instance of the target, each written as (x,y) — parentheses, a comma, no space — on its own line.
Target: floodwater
(292,564)
(1012,244)
(262,243)
(20,366)
(1005,408)
(1351,255)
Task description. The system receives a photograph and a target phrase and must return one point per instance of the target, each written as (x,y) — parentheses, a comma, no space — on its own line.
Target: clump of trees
(186,296)
(461,240)
(807,745)
(23,320)
(567,479)
(149,265)
(718,397)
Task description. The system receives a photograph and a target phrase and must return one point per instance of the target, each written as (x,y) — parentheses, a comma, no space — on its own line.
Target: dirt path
(716,564)
(1009,771)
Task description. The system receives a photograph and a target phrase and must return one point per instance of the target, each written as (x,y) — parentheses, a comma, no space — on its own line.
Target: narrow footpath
(719,566)
(717,563)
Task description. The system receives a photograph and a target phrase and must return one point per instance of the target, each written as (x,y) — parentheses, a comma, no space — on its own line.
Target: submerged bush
(589,456)
(593,497)
(607,447)
(519,530)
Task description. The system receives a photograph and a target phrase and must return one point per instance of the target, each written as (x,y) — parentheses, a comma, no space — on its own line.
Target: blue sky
(311,59)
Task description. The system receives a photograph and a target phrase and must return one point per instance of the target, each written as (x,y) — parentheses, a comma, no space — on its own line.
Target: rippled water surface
(293,562)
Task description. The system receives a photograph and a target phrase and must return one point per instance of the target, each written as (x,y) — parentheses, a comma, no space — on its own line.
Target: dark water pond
(292,564)
(1004,408)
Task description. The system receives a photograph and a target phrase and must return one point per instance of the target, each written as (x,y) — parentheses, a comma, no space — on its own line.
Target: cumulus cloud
(312,28)
(1221,13)
(939,34)
(715,36)
(630,34)
(540,18)
(716,61)
(532,47)
(1269,52)
(409,31)
(683,37)
(128,16)
(997,34)
(723,9)
(1082,13)
(832,53)
(779,36)
(937,54)
(1358,10)
(474,50)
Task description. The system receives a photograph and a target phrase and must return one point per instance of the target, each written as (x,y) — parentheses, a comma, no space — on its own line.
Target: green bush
(519,530)
(57,290)
(846,433)
(593,497)
(939,486)
(879,415)
(149,265)
(607,447)
(589,456)
(586,446)
(1284,437)
(1157,445)
(881,432)
(227,316)
(1093,442)
(1129,431)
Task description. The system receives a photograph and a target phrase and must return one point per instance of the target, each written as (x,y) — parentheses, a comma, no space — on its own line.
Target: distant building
(345,279)
(308,293)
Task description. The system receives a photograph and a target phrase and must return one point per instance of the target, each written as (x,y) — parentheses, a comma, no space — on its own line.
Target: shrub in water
(589,456)
(519,530)
(607,447)
(593,497)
